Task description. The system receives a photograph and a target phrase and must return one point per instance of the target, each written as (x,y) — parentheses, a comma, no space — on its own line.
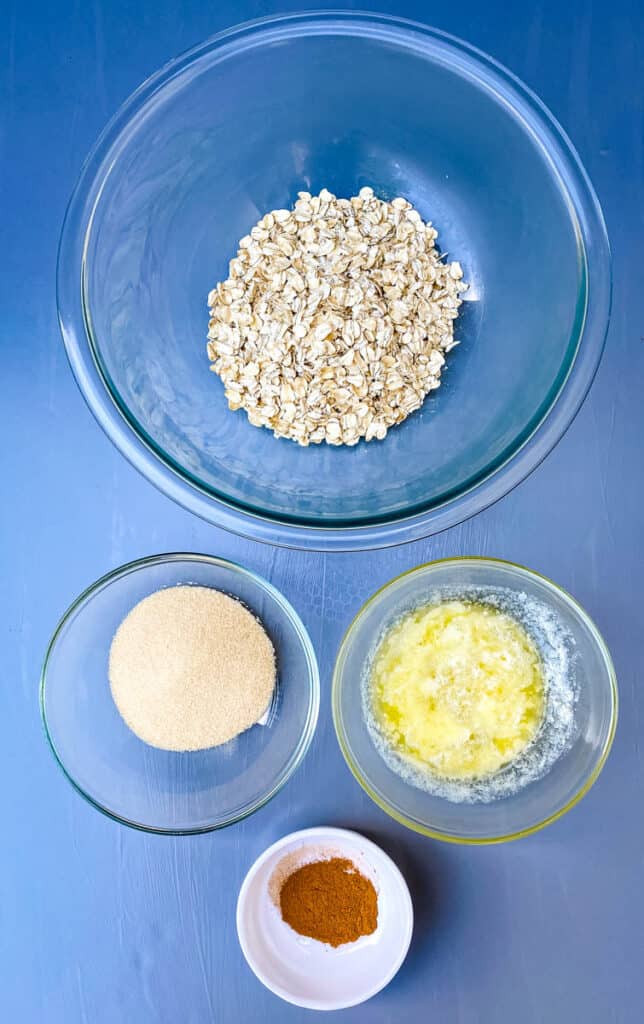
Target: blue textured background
(102,925)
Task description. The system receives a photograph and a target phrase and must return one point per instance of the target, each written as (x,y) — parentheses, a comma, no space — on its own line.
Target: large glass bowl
(235,128)
(158,790)
(541,801)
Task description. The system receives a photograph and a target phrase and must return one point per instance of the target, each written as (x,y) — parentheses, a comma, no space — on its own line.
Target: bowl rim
(308,732)
(591,326)
(336,686)
(323,833)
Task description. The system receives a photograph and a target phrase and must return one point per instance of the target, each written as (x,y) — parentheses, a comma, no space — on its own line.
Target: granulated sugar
(190,668)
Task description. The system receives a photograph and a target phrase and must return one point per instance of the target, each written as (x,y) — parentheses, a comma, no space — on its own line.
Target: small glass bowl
(540,802)
(236,128)
(164,791)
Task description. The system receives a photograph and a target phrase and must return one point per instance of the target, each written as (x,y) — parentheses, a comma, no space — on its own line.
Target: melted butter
(458,688)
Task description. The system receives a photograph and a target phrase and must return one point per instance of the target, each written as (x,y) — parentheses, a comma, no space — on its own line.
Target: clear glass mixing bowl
(541,801)
(235,128)
(158,790)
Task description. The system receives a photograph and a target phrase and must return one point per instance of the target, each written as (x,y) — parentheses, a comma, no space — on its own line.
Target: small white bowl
(309,973)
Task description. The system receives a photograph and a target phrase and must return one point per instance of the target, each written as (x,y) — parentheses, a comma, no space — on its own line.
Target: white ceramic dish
(309,973)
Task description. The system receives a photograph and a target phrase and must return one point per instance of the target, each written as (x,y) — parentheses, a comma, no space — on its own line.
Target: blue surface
(102,925)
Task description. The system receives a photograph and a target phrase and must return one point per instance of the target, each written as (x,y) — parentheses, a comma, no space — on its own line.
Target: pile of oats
(334,322)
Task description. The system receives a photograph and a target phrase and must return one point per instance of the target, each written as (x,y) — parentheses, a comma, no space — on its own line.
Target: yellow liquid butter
(458,688)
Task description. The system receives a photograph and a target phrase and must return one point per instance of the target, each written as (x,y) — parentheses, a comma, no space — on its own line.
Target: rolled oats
(335,318)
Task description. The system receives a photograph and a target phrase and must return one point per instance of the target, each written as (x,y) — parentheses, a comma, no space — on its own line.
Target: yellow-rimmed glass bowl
(541,801)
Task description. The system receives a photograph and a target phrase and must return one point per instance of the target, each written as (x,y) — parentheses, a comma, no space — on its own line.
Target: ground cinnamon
(329,900)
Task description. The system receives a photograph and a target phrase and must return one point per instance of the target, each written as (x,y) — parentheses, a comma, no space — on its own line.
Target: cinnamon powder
(329,900)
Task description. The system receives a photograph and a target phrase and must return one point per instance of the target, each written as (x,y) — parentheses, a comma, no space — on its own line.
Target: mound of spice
(329,900)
